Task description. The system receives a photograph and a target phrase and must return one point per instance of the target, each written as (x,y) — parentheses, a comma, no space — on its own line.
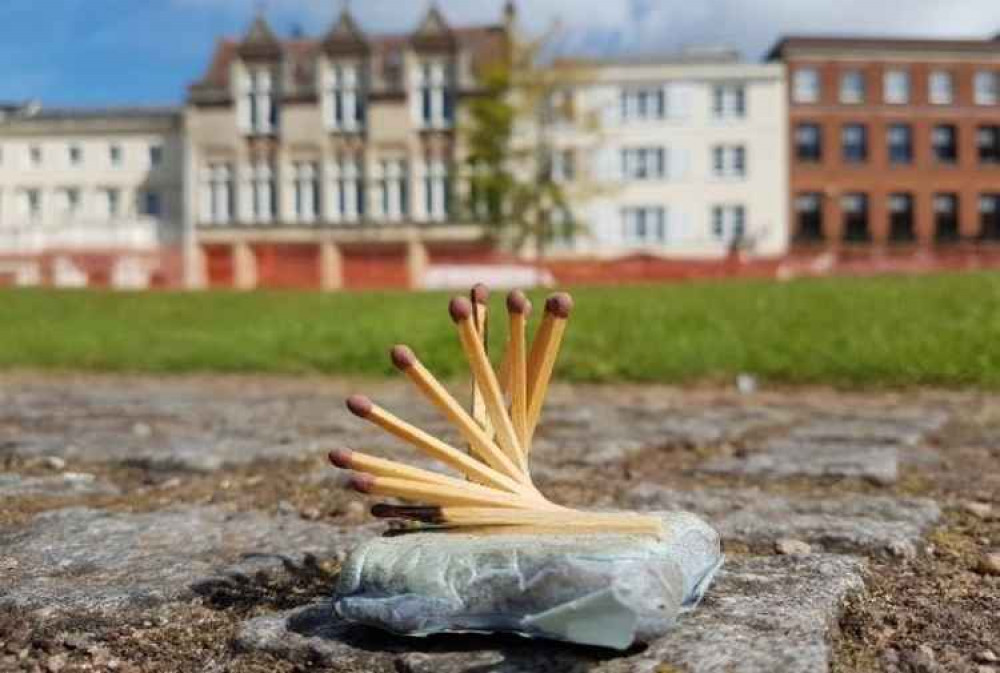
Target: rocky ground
(191,524)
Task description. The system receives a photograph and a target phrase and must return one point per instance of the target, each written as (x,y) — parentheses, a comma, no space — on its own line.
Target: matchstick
(436,494)
(479,295)
(518,309)
(346,459)
(461,312)
(363,407)
(560,519)
(544,350)
(484,446)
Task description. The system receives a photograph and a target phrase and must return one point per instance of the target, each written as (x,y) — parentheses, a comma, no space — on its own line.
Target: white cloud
(615,26)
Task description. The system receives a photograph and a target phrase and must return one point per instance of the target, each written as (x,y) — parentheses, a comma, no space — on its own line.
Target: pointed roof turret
(345,37)
(260,42)
(434,33)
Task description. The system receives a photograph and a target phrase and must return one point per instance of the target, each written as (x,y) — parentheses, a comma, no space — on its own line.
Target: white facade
(681,160)
(88,182)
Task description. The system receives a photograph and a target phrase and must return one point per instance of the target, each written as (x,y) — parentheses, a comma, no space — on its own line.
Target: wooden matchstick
(461,312)
(436,494)
(472,432)
(518,309)
(363,407)
(567,520)
(544,351)
(346,459)
(479,295)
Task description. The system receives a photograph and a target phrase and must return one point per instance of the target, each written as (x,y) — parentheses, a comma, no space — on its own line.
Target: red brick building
(895,144)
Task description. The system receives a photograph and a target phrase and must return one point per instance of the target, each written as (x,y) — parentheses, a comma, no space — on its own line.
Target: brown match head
(359,405)
(402,356)
(460,309)
(559,304)
(340,458)
(480,293)
(362,483)
(518,303)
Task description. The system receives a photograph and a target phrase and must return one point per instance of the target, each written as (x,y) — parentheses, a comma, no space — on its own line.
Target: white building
(90,196)
(683,159)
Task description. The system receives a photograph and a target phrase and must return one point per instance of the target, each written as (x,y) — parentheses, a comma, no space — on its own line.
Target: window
(263,192)
(809,217)
(729,223)
(155,155)
(560,165)
(391,194)
(852,87)
(900,139)
(306,191)
(30,203)
(944,140)
(67,201)
(109,203)
(988,144)
(901,218)
(941,87)
(151,206)
(808,142)
(346,190)
(729,101)
(989,217)
(644,163)
(643,103)
(35,155)
(855,212)
(345,98)
(946,218)
(256,108)
(75,155)
(729,161)
(644,225)
(115,155)
(854,142)
(435,96)
(217,193)
(896,84)
(986,85)
(436,191)
(805,85)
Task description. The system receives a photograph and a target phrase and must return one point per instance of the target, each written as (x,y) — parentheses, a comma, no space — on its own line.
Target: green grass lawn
(882,331)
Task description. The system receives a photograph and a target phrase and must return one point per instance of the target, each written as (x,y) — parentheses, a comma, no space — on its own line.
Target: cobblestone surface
(206,496)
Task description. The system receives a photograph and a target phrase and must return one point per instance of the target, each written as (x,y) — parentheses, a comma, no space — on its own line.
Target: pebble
(987,656)
(989,564)
(142,430)
(55,663)
(980,510)
(55,463)
(788,547)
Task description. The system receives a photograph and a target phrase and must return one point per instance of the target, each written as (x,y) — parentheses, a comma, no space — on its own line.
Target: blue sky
(94,52)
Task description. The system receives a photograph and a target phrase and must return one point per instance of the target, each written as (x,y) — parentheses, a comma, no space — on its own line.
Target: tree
(513,188)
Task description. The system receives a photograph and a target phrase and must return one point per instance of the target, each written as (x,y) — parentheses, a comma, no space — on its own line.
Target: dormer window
(344,97)
(258,109)
(434,95)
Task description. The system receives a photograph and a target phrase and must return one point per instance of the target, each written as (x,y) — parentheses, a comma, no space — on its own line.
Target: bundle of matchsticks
(497,491)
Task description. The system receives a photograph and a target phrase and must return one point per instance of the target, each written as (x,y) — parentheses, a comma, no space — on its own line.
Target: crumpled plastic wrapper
(609,590)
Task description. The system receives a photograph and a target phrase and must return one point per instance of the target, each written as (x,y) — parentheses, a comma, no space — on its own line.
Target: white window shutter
(678,100)
(677,160)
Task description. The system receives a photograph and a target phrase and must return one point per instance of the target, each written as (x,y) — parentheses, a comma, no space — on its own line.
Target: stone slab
(892,429)
(67,484)
(790,458)
(763,614)
(875,525)
(80,560)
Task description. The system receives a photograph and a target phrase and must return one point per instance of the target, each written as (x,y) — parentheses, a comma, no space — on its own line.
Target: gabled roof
(345,37)
(434,33)
(260,42)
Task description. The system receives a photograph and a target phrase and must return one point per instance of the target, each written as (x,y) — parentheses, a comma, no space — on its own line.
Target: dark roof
(874,43)
(260,41)
(345,37)
(485,44)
